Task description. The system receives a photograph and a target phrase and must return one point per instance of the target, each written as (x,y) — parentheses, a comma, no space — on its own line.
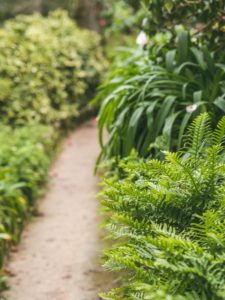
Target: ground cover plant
(167,218)
(48,69)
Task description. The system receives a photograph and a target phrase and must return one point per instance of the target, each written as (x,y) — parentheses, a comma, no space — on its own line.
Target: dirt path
(57,256)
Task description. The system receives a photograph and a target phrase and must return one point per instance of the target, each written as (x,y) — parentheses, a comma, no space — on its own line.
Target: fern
(168,219)
(219,132)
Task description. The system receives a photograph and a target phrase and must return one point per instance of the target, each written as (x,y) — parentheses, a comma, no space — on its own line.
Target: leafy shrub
(148,103)
(168,218)
(48,69)
(25,156)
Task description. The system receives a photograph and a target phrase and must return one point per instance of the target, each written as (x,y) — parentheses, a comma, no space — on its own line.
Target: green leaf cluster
(204,17)
(148,103)
(120,16)
(25,157)
(48,69)
(166,214)
(167,218)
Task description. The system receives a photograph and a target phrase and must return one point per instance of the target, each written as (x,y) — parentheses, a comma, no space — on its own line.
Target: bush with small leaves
(25,157)
(48,69)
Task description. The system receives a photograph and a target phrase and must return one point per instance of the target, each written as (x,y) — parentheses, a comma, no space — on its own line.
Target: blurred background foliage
(82,10)
(10,8)
(177,72)
(114,16)
(49,63)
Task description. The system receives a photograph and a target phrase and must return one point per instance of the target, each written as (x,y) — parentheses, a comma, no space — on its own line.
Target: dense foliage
(168,220)
(117,16)
(166,214)
(25,156)
(48,69)
(148,103)
(150,98)
(205,18)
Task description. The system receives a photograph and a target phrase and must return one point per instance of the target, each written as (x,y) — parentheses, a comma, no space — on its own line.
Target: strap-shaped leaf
(199,57)
(220,102)
(182,46)
(170,60)
(132,129)
(163,112)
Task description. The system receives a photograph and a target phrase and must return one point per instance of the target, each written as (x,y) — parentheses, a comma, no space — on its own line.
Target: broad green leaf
(199,57)
(197,96)
(182,128)
(169,123)
(132,129)
(149,113)
(170,60)
(220,103)
(182,46)
(163,113)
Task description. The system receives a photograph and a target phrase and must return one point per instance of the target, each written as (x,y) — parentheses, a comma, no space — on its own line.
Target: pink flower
(142,39)
(191,108)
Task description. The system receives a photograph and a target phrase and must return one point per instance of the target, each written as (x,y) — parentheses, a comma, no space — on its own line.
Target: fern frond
(219,133)
(198,134)
(175,159)
(169,221)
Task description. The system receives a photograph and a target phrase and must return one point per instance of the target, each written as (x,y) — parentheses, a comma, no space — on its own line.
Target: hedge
(48,69)
(25,157)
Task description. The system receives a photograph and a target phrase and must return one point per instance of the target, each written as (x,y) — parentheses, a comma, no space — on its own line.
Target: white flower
(191,108)
(142,39)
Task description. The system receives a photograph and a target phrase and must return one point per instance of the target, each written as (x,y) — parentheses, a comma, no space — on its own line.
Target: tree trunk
(86,14)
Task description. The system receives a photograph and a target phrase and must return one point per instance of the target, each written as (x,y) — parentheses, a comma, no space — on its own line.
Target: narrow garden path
(57,257)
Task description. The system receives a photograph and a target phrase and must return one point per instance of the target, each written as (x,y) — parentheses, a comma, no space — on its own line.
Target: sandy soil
(56,259)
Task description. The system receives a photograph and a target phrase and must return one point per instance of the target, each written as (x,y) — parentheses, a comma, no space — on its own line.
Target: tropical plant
(168,220)
(48,69)
(149,101)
